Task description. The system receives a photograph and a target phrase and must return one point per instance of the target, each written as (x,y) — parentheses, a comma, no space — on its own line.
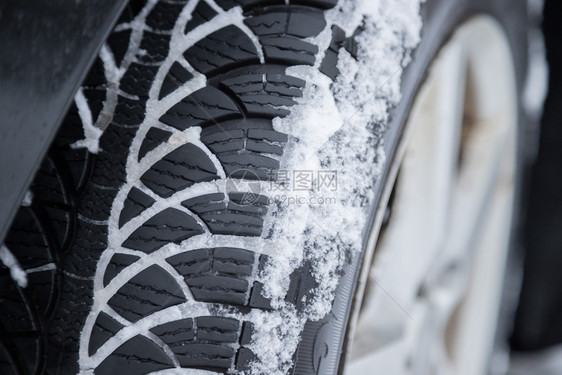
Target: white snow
(336,126)
(10,261)
(94,128)
(27,199)
(91,133)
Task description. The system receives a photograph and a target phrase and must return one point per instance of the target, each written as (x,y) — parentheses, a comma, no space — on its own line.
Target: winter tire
(214,197)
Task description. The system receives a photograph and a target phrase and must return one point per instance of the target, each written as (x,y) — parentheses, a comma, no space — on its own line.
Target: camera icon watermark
(283,186)
(244,183)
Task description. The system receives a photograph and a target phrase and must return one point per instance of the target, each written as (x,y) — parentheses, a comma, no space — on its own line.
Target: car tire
(159,235)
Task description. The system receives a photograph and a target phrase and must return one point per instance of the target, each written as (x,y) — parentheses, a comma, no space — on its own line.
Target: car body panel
(47,49)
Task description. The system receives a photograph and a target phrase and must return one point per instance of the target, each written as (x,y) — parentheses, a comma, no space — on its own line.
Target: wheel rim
(430,299)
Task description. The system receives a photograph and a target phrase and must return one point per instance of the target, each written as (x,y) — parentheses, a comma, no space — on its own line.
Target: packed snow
(337,126)
(10,261)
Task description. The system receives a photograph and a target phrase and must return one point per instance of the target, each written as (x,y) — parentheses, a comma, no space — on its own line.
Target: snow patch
(10,261)
(336,126)
(94,128)
(91,133)
(27,199)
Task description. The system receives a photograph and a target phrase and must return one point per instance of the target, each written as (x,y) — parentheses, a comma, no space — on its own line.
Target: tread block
(257,299)
(322,4)
(221,136)
(105,328)
(164,15)
(246,334)
(132,10)
(204,329)
(247,4)
(217,329)
(202,13)
(219,289)
(233,144)
(13,307)
(150,291)
(51,188)
(176,333)
(129,111)
(229,217)
(200,204)
(258,202)
(263,147)
(301,284)
(96,75)
(234,224)
(223,49)
(238,165)
(78,165)
(206,203)
(139,355)
(288,50)
(40,286)
(109,170)
(168,226)
(217,274)
(244,359)
(117,263)
(154,47)
(264,94)
(207,105)
(224,141)
(95,97)
(205,356)
(299,22)
(92,210)
(28,241)
(246,153)
(196,342)
(339,40)
(179,169)
(119,43)
(154,138)
(268,135)
(177,76)
(330,61)
(138,79)
(71,311)
(136,202)
(60,220)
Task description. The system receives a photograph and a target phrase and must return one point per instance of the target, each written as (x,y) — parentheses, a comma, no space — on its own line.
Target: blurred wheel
(432,294)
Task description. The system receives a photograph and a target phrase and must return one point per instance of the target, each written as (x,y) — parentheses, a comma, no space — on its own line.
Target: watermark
(295,199)
(303,187)
(245,185)
(303,180)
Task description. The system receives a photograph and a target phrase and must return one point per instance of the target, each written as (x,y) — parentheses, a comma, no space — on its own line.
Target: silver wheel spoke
(450,219)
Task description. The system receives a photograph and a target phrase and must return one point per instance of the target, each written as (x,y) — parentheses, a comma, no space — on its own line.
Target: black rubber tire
(61,236)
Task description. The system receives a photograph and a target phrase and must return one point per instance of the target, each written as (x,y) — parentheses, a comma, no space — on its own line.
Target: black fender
(47,49)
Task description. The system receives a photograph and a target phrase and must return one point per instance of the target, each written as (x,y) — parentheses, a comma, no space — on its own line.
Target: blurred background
(536,340)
